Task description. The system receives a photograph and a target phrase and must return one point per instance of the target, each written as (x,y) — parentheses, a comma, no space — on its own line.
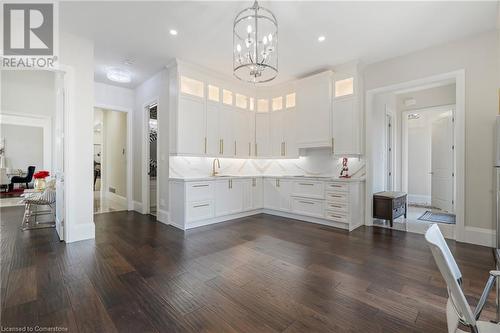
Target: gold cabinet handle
(198,206)
(235,148)
(333,146)
(220,146)
(205,145)
(284,148)
(256,149)
(249,149)
(307,202)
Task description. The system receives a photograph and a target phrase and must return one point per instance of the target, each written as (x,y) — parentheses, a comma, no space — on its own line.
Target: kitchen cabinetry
(346,119)
(277,193)
(314,110)
(335,203)
(262,138)
(229,196)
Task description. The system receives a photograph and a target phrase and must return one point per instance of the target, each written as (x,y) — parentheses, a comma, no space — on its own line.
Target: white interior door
(58,168)
(442,163)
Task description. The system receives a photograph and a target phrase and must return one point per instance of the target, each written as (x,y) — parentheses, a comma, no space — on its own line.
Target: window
(213,93)
(241,101)
(290,100)
(251,102)
(277,103)
(262,105)
(344,87)
(227,97)
(191,86)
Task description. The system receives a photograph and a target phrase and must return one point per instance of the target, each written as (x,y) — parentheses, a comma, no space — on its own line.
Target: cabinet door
(285,194)
(276,133)
(345,127)
(290,133)
(213,137)
(314,107)
(222,197)
(257,193)
(247,194)
(242,128)
(236,189)
(226,132)
(271,194)
(191,129)
(262,135)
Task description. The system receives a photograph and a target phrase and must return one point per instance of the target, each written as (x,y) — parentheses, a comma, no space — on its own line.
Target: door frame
(458,77)
(128,148)
(404,143)
(146,206)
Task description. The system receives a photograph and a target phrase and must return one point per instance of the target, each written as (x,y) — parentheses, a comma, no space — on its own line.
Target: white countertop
(222,177)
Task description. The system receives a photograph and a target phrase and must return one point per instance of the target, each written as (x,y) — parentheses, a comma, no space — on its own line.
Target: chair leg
(26,216)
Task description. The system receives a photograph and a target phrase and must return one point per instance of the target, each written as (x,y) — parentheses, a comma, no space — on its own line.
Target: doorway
(429,164)
(110,184)
(152,159)
(415,97)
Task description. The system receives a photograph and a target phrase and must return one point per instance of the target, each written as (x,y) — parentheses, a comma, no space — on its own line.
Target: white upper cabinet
(262,139)
(314,111)
(346,119)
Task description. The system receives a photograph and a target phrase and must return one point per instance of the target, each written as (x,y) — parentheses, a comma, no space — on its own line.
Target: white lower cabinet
(228,196)
(335,203)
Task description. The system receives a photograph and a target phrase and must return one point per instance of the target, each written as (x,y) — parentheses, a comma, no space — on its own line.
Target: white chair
(457,308)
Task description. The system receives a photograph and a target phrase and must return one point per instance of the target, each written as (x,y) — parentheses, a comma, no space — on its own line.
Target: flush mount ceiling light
(118,75)
(413,116)
(255,45)
(173,32)
(321,39)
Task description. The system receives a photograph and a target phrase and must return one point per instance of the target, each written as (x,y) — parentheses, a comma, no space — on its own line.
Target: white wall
(28,92)
(113,98)
(115,142)
(153,90)
(78,54)
(23,146)
(478,55)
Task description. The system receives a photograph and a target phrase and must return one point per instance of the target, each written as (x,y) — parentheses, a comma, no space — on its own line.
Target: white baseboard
(117,198)
(137,206)
(419,199)
(162,216)
(479,236)
(79,232)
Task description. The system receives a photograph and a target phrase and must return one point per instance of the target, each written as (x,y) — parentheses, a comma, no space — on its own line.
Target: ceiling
(368,31)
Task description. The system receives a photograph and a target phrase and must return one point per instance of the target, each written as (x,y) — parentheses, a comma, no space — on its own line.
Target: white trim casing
(145,157)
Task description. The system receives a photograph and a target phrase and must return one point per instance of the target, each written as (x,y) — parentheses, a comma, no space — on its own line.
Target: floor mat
(438,217)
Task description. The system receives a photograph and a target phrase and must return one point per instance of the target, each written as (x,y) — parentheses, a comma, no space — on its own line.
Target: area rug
(438,217)
(12,194)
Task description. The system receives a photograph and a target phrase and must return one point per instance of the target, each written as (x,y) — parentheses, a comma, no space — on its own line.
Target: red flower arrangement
(41,174)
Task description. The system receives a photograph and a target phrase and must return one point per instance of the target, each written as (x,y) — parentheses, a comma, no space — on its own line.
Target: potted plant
(40,179)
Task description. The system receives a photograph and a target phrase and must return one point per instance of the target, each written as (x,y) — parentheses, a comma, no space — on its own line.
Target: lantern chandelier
(255,45)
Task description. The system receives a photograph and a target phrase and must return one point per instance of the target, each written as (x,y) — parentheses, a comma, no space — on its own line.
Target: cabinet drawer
(199,210)
(308,189)
(337,187)
(308,207)
(336,217)
(337,207)
(199,191)
(337,197)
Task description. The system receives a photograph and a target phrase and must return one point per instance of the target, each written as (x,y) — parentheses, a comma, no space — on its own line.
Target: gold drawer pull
(204,185)
(306,184)
(307,202)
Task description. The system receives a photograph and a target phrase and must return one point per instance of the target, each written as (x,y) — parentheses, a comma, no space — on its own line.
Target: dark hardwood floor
(257,274)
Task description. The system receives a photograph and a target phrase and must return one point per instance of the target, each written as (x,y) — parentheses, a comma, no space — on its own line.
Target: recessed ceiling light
(118,75)
(321,39)
(173,32)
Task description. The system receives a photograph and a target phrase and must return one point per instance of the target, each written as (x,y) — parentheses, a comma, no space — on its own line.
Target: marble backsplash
(315,162)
